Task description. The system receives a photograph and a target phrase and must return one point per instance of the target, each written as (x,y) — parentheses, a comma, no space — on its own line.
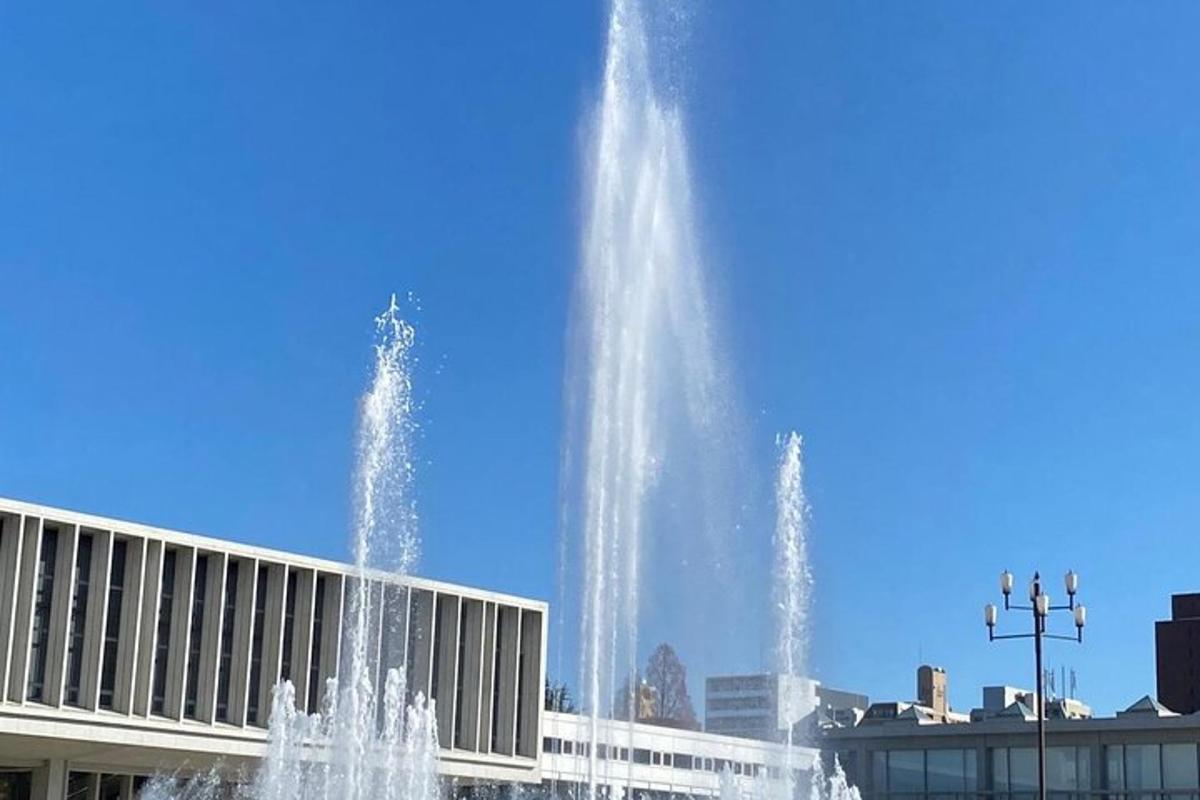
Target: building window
(162,649)
(112,626)
(43,598)
(79,609)
(256,643)
(314,661)
(1180,767)
(196,636)
(460,729)
(1014,770)
(228,620)
(498,638)
(289,627)
(940,772)
(1152,766)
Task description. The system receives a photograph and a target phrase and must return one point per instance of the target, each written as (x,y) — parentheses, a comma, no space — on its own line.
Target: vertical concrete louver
(237,682)
(420,643)
(10,562)
(300,609)
(60,608)
(504,708)
(487,679)
(31,542)
(93,641)
(147,633)
(179,634)
(469,680)
(272,637)
(128,640)
(210,632)
(446,658)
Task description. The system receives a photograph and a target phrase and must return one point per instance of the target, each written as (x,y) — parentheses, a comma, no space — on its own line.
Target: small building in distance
(932,706)
(757,706)
(1177,650)
(1000,700)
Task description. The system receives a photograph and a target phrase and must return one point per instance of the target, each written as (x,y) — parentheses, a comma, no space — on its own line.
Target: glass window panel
(906,771)
(879,770)
(1060,769)
(1141,767)
(1179,766)
(945,771)
(1114,768)
(1022,769)
(1000,769)
(970,771)
(1083,767)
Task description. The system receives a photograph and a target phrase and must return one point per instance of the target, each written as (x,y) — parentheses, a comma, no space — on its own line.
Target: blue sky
(955,246)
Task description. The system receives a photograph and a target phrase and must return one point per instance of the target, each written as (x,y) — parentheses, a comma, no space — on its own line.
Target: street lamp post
(1040,606)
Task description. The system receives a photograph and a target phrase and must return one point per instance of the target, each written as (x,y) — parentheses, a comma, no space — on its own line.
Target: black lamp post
(1041,607)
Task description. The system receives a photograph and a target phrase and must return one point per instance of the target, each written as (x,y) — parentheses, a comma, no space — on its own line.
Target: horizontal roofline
(205,542)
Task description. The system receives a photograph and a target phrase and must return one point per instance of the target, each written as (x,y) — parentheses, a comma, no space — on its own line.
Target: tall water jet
(793,582)
(360,745)
(643,362)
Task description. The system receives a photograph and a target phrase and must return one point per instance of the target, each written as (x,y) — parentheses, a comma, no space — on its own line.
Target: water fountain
(644,358)
(362,746)
(792,589)
(645,371)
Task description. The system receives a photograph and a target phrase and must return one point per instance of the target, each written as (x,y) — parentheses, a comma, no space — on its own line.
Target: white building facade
(127,650)
(653,761)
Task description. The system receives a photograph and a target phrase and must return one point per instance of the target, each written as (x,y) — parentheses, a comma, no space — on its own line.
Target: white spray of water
(793,582)
(354,748)
(645,357)
(793,590)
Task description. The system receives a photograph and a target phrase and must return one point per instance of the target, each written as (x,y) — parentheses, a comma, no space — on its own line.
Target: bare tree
(667,679)
(558,698)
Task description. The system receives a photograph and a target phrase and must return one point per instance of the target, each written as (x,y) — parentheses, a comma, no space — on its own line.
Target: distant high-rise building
(1177,642)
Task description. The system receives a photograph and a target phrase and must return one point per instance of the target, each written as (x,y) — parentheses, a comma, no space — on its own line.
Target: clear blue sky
(956,244)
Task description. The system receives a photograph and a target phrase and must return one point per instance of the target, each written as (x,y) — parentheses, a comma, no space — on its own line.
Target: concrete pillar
(466,712)
(446,654)
(49,780)
(530,683)
(331,633)
(60,613)
(420,643)
(504,711)
(300,657)
(148,626)
(11,537)
(239,667)
(130,635)
(487,681)
(31,542)
(272,639)
(97,610)
(214,594)
(181,624)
